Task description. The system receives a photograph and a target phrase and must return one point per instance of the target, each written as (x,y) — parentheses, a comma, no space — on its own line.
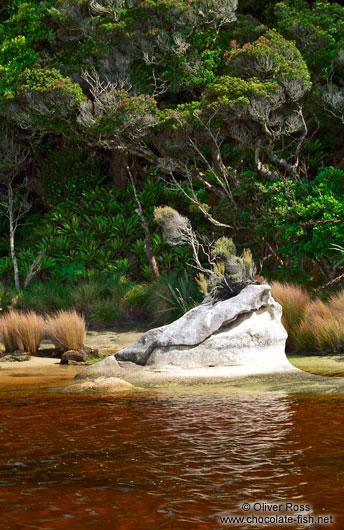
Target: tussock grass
(322,323)
(30,330)
(312,325)
(9,332)
(44,297)
(294,301)
(336,304)
(67,330)
(104,312)
(21,331)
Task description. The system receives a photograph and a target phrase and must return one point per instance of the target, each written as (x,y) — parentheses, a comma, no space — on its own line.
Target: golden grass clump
(336,304)
(9,332)
(325,326)
(67,330)
(294,301)
(21,331)
(30,330)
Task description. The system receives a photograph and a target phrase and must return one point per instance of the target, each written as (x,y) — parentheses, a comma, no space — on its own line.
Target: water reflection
(174,461)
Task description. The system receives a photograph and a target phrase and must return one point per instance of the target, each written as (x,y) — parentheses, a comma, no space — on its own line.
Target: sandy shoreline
(107,342)
(46,370)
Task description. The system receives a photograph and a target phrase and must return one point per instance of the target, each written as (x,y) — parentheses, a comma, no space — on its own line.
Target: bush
(21,331)
(303,218)
(45,297)
(86,293)
(294,301)
(103,312)
(171,296)
(67,330)
(6,296)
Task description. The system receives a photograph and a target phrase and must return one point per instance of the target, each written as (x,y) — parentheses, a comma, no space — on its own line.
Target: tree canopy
(219,100)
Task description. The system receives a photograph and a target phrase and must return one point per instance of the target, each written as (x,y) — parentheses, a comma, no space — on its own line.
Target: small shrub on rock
(225,274)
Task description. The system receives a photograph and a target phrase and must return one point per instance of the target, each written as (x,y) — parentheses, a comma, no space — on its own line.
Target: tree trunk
(119,170)
(148,238)
(149,245)
(33,269)
(12,232)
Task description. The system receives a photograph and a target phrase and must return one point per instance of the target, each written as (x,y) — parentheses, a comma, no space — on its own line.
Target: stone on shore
(101,384)
(243,333)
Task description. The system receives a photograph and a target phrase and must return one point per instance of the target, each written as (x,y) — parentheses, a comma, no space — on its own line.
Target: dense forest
(231,112)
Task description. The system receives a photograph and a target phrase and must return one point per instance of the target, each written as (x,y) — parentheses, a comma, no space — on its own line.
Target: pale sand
(107,342)
(43,372)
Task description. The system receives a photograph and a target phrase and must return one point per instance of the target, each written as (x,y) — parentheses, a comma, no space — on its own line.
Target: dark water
(164,459)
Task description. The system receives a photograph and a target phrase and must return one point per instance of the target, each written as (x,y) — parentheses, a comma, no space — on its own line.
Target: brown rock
(75,356)
(91,353)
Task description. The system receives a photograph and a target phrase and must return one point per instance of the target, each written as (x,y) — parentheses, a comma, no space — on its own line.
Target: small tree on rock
(225,274)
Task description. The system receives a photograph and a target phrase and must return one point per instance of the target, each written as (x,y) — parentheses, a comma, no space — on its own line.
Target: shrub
(67,330)
(6,296)
(172,296)
(103,311)
(86,293)
(45,297)
(21,331)
(294,301)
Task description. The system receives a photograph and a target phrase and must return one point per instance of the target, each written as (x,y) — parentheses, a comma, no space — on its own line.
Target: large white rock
(243,330)
(212,342)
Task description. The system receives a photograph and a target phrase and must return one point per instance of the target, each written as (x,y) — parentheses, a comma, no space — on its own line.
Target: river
(176,459)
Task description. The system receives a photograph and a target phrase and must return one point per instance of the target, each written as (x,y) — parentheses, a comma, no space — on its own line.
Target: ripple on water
(164,461)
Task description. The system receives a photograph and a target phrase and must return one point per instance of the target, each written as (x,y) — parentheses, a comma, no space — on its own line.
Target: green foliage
(313,155)
(96,229)
(298,215)
(6,296)
(224,247)
(182,296)
(270,56)
(21,36)
(318,30)
(44,298)
(104,312)
(104,299)
(169,77)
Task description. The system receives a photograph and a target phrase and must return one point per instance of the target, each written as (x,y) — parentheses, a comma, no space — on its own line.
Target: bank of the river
(46,370)
(107,342)
(325,365)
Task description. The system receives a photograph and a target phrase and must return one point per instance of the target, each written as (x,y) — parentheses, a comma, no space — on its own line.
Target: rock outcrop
(241,330)
(235,335)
